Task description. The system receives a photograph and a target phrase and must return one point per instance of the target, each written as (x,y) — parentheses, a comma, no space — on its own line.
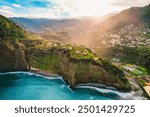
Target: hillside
(78,29)
(125,37)
(13,55)
(51,25)
(134,15)
(10,31)
(85,30)
(76,64)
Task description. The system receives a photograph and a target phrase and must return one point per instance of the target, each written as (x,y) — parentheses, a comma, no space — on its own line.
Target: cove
(31,86)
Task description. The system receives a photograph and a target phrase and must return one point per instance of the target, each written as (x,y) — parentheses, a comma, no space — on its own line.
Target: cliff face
(78,65)
(12,54)
(12,58)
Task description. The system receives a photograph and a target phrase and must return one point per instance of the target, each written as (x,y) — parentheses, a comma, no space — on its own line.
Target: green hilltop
(76,64)
(9,30)
(12,52)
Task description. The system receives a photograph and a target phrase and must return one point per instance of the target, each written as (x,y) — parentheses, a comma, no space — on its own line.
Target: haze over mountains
(133,15)
(83,30)
(75,28)
(55,25)
(20,51)
(116,47)
(86,31)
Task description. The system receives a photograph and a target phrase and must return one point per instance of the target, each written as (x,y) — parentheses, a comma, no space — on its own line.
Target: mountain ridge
(76,64)
(13,55)
(133,15)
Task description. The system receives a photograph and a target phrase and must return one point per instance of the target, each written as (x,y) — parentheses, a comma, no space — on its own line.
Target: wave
(104,90)
(123,95)
(32,74)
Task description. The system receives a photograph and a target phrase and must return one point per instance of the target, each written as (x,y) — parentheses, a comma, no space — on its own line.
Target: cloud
(58,8)
(130,2)
(66,8)
(17,5)
(9,11)
(6,11)
(6,7)
(77,8)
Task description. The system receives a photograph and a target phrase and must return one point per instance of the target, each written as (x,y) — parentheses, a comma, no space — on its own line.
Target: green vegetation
(147,36)
(142,81)
(145,14)
(12,52)
(46,63)
(77,64)
(134,70)
(9,30)
(139,56)
(79,52)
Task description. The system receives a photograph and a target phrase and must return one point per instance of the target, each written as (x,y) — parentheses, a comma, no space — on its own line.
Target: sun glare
(92,7)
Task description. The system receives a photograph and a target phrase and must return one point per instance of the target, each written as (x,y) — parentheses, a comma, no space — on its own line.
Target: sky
(65,8)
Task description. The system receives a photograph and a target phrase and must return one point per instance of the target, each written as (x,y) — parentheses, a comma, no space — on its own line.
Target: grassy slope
(9,30)
(77,64)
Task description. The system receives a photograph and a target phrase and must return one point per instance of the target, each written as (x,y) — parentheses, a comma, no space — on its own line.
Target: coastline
(96,85)
(44,73)
(133,95)
(50,74)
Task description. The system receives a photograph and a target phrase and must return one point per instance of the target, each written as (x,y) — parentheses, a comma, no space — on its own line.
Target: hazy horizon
(53,9)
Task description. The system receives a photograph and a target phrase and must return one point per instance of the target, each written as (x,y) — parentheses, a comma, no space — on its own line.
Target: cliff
(77,65)
(12,52)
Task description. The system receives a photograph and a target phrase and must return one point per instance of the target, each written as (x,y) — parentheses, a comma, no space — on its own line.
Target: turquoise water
(30,86)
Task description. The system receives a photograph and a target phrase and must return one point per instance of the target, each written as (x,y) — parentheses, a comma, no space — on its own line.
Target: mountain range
(33,45)
(84,30)
(134,15)
(21,51)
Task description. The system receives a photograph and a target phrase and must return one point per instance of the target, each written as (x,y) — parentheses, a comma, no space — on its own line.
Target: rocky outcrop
(75,64)
(12,58)
(78,70)
(12,53)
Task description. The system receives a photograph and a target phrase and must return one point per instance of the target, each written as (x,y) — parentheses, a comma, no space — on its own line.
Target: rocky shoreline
(138,92)
(41,72)
(135,93)
(97,85)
